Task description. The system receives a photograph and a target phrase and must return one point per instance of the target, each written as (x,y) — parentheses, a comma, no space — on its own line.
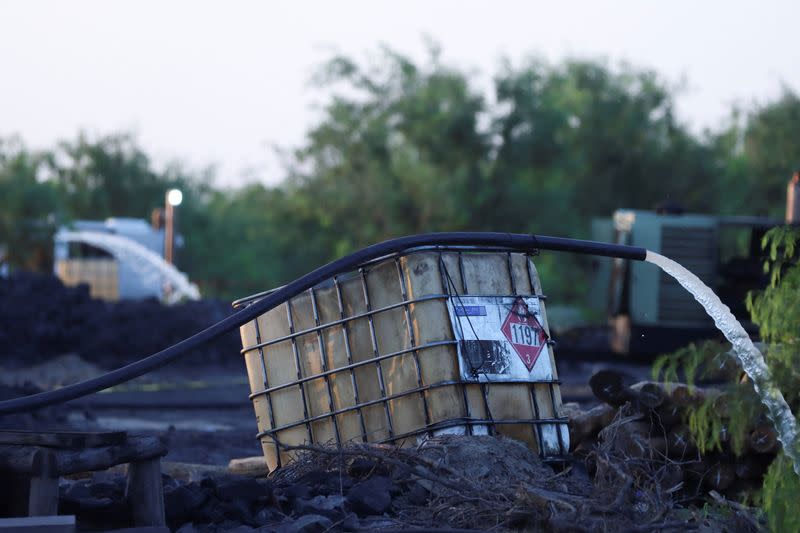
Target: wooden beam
(45,524)
(63,439)
(249,466)
(43,492)
(145,493)
(19,459)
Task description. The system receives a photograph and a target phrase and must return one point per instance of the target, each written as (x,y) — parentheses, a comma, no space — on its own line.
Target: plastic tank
(425,342)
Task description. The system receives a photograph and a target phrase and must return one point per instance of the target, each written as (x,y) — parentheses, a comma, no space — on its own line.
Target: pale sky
(220,83)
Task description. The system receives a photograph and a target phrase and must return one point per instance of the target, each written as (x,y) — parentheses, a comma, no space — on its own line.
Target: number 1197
(523,334)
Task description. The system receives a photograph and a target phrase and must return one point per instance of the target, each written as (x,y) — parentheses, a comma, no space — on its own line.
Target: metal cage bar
(482,385)
(342,321)
(298,366)
(450,383)
(446,289)
(349,354)
(534,401)
(324,361)
(376,353)
(358,364)
(265,379)
(562,451)
(536,429)
(414,351)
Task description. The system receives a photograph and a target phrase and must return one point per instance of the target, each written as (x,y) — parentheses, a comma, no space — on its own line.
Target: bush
(776,311)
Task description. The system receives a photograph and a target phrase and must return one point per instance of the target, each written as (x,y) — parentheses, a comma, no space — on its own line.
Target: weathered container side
(388,354)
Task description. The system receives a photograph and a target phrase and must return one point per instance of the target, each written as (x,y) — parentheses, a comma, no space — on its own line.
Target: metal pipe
(512,241)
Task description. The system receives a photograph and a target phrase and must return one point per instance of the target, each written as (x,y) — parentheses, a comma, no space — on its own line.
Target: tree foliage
(28,208)
(405,147)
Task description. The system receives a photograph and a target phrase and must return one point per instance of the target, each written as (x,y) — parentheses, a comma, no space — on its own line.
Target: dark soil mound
(41,318)
(446,484)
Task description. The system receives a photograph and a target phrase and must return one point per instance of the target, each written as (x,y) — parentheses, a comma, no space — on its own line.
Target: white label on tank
(501,338)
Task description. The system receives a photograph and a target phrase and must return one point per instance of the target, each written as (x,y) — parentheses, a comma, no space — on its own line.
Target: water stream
(146,263)
(749,356)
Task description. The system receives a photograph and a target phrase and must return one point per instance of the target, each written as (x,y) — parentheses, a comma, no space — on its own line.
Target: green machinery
(647,311)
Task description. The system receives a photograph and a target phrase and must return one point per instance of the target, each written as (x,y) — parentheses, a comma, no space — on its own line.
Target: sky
(223,83)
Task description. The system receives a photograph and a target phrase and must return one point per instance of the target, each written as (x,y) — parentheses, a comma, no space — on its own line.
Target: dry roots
(498,484)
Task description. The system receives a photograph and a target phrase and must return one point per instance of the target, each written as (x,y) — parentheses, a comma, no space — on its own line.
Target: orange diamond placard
(524,333)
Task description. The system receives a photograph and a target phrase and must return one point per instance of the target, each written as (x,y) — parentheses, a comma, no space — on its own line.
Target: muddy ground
(51,336)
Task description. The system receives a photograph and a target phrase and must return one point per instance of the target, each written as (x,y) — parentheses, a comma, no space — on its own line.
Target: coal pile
(447,483)
(54,417)
(40,318)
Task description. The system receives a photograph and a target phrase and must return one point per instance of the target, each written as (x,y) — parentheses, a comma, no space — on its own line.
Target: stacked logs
(647,422)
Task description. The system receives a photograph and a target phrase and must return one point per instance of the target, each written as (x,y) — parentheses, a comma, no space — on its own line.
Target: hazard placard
(500,338)
(524,332)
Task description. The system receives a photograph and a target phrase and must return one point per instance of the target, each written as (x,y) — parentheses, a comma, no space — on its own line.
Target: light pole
(174,198)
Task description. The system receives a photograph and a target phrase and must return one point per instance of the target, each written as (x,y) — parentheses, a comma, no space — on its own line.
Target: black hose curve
(515,241)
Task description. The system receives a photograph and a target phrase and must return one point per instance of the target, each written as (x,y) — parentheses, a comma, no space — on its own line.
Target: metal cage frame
(451,292)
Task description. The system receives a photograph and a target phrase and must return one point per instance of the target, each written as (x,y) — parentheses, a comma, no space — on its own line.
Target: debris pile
(40,319)
(448,483)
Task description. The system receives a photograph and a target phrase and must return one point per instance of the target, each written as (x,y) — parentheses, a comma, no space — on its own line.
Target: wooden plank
(143,529)
(145,492)
(187,472)
(19,459)
(43,492)
(45,524)
(63,439)
(249,466)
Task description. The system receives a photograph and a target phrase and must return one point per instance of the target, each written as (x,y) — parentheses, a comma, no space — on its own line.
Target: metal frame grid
(344,323)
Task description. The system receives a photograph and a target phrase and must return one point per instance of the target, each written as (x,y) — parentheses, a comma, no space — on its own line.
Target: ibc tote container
(425,342)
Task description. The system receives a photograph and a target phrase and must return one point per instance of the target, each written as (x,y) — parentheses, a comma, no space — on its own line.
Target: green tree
(758,152)
(109,176)
(585,139)
(400,152)
(29,208)
(243,241)
(409,148)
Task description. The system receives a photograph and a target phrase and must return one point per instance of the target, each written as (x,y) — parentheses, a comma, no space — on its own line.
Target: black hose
(514,241)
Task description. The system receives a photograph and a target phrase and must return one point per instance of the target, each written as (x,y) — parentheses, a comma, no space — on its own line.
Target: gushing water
(145,262)
(750,358)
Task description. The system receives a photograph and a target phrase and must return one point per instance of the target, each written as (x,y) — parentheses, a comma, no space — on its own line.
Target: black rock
(82,496)
(233,525)
(211,512)
(181,502)
(238,510)
(350,523)
(106,489)
(268,516)
(76,491)
(306,524)
(244,489)
(295,491)
(169,482)
(322,482)
(329,506)
(417,494)
(371,497)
